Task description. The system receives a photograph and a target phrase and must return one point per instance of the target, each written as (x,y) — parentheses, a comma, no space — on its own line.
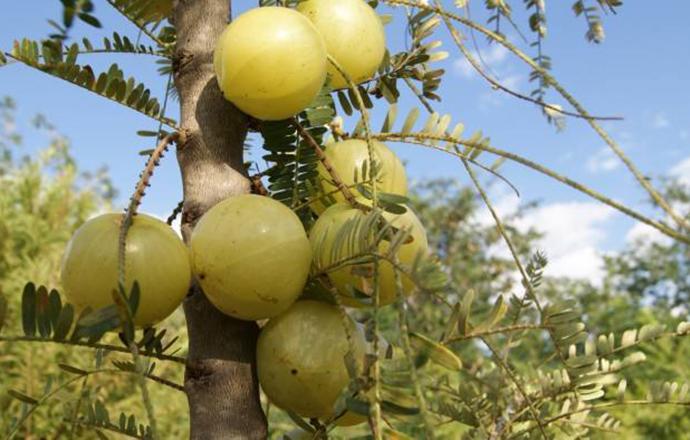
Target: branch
(497,85)
(365,123)
(519,386)
(513,252)
(176,211)
(403,326)
(115,348)
(140,25)
(419,138)
(339,184)
(375,416)
(656,197)
(84,78)
(520,434)
(121,300)
(221,377)
(147,173)
(86,52)
(75,414)
(497,330)
(323,196)
(640,342)
(59,388)
(86,424)
(430,109)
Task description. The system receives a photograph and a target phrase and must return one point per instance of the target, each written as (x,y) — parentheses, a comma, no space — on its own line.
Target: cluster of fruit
(251,254)
(271,62)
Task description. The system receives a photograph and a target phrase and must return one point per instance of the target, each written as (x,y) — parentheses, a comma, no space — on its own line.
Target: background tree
(481,355)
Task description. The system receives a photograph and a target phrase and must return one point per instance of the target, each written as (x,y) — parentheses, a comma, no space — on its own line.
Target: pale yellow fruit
(300,358)
(251,256)
(155,257)
(270,62)
(354,36)
(347,158)
(323,235)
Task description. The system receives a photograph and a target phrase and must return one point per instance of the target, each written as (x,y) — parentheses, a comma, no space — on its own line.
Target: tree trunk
(220,377)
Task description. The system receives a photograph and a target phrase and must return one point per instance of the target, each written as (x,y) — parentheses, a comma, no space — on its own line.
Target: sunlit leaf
(436,351)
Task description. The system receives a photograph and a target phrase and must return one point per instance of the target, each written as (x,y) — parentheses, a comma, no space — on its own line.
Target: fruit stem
(304,134)
(407,349)
(373,167)
(373,172)
(120,295)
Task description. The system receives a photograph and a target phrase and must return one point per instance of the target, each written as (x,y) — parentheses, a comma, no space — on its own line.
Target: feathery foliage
(112,84)
(473,355)
(292,175)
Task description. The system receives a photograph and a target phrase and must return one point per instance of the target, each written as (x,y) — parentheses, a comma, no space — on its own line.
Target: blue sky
(640,72)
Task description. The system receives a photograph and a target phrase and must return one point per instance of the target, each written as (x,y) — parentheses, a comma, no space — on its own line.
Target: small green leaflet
(437,352)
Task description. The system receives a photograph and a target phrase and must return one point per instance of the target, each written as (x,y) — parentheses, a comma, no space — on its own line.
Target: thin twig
(420,96)
(419,138)
(94,52)
(75,415)
(346,324)
(321,197)
(57,389)
(176,211)
(641,178)
(520,434)
(325,161)
(119,297)
(528,286)
(337,181)
(140,189)
(86,424)
(497,330)
(518,385)
(473,36)
(430,109)
(365,123)
(158,118)
(499,360)
(513,252)
(115,348)
(407,349)
(140,26)
(497,84)
(373,172)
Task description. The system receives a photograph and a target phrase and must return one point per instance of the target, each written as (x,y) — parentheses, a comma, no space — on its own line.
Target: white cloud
(682,171)
(660,121)
(684,135)
(492,57)
(512,81)
(9,127)
(641,232)
(495,98)
(504,203)
(573,233)
(602,161)
(584,262)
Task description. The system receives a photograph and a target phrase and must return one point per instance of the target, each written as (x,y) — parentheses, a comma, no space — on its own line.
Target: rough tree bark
(220,377)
